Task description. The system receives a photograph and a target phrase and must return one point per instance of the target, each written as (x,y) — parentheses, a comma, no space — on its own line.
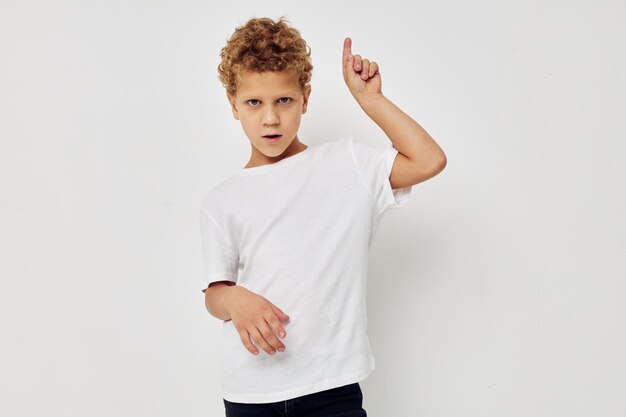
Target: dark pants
(345,401)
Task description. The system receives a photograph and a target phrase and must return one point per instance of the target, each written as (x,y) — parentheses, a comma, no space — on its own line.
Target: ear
(307,93)
(231,101)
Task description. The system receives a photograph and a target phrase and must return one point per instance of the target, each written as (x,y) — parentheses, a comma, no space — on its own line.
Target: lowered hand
(256,317)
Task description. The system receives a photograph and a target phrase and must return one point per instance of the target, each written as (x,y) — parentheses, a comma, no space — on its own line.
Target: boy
(285,239)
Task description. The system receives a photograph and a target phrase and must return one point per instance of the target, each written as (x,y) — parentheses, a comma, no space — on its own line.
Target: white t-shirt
(298,233)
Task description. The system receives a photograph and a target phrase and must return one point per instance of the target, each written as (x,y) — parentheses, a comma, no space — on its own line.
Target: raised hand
(256,317)
(361,76)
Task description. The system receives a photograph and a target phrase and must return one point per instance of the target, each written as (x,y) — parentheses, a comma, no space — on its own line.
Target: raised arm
(419,156)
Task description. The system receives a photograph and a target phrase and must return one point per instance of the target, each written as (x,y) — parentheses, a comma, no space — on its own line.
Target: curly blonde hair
(262,44)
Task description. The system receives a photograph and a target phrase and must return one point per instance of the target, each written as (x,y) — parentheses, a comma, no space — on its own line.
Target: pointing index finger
(347,48)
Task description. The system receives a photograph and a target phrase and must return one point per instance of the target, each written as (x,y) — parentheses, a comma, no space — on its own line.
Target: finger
(373,68)
(347,48)
(274,323)
(245,339)
(366,68)
(268,333)
(260,340)
(357,63)
(348,58)
(279,313)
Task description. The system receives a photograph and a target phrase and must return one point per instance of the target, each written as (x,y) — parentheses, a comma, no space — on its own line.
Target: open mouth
(272,136)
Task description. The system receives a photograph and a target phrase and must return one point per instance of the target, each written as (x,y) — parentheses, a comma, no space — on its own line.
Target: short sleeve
(220,259)
(374,165)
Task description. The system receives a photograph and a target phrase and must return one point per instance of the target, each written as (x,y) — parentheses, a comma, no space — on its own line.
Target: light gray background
(499,289)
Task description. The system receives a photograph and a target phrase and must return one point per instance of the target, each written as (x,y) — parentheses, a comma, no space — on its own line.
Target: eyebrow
(286,94)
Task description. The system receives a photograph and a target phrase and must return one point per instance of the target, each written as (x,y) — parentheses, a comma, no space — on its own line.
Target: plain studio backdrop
(497,291)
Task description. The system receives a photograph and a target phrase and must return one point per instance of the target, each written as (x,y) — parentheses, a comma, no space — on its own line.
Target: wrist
(368,101)
(228,296)
(218,299)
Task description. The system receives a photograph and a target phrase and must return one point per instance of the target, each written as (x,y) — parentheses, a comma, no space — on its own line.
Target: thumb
(279,313)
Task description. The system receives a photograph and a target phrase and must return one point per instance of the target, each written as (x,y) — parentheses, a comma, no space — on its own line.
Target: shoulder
(331,146)
(221,195)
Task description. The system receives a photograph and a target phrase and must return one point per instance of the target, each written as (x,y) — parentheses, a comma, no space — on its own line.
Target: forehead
(268,83)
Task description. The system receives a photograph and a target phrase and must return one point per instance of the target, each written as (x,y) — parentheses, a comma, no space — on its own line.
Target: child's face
(269,103)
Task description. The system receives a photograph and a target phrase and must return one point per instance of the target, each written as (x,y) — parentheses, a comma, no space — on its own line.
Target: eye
(285,98)
(254,99)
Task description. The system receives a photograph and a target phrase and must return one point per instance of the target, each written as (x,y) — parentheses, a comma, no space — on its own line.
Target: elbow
(438,164)
(443,161)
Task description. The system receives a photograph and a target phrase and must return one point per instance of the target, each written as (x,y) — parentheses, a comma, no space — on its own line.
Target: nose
(270,116)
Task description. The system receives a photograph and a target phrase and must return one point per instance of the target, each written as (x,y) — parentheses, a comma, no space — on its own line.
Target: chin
(272,151)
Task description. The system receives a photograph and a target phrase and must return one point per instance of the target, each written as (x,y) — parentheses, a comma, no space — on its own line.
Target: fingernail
(282,349)
(281,334)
